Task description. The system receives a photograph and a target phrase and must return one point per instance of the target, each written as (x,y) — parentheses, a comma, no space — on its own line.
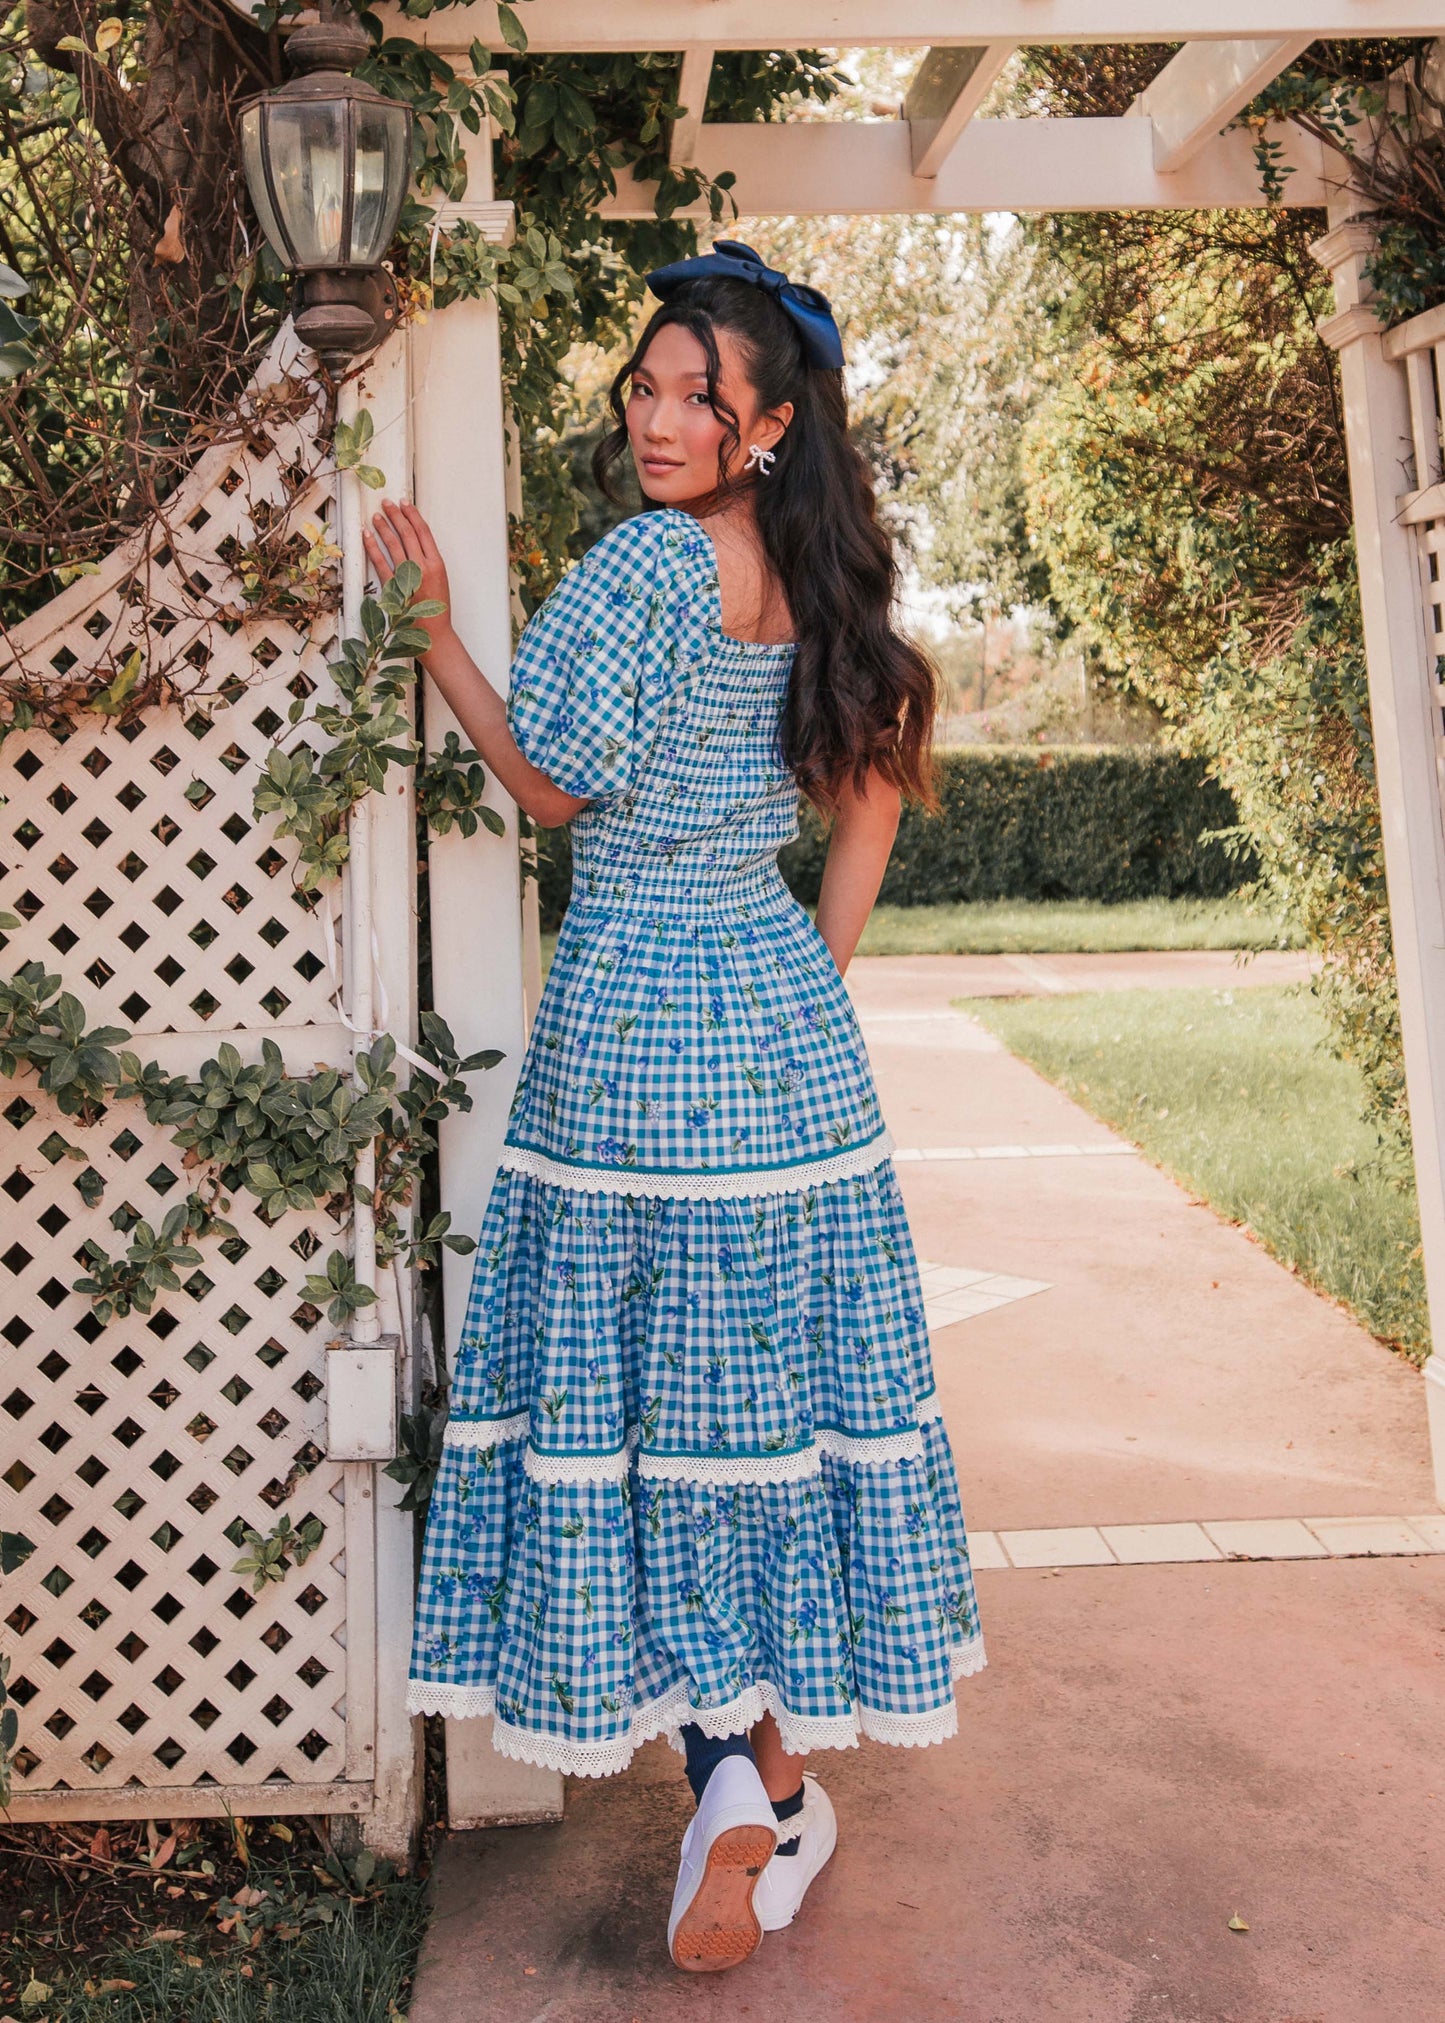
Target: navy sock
(705,1752)
(786,1809)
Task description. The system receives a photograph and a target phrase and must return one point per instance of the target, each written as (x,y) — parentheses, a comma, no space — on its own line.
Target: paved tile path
(1210,1571)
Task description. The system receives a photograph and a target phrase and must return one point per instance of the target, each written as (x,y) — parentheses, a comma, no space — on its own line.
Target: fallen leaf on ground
(1237,1924)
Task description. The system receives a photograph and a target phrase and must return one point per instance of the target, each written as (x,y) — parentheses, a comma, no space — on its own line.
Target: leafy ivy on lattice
(145,1450)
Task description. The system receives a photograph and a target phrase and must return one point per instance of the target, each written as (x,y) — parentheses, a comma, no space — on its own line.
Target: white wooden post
(531,897)
(382,977)
(1404,694)
(460,487)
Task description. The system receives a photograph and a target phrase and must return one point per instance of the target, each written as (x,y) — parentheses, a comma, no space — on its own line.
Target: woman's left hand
(399,533)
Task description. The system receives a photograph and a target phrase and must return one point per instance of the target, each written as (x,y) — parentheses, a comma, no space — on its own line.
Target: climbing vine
(137,294)
(131,327)
(310,794)
(1379,107)
(290,1141)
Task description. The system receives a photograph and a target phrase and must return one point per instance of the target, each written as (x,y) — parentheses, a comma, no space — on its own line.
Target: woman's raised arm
(397,533)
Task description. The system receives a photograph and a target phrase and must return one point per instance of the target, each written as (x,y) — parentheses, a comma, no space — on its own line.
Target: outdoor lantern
(327,162)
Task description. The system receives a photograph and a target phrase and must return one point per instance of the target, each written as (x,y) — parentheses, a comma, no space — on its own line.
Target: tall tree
(1187,486)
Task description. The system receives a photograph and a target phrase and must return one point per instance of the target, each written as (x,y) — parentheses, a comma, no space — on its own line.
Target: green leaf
(113,699)
(513,33)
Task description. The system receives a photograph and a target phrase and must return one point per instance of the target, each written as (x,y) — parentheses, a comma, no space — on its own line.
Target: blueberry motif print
(693,1468)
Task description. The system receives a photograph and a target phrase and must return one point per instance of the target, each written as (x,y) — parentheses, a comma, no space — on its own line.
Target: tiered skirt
(694,1471)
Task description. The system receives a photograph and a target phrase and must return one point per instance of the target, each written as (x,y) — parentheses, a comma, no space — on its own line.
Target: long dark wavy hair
(861,695)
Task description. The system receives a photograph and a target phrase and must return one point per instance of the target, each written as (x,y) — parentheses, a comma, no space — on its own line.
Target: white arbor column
(1404,694)
(381,948)
(476,919)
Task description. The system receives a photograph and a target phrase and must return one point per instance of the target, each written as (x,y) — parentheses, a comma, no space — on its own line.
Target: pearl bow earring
(763,459)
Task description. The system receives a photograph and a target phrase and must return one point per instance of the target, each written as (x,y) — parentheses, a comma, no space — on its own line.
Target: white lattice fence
(134,1454)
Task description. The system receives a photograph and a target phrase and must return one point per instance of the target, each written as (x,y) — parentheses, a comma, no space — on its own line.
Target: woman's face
(676,438)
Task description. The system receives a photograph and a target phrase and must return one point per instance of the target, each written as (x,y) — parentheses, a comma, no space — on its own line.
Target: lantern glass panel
(308,168)
(253,121)
(382,170)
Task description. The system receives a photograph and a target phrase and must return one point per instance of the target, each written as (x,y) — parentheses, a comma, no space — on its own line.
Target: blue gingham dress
(693,1468)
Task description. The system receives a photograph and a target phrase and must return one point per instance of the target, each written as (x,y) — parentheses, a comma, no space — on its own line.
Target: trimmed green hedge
(1052,822)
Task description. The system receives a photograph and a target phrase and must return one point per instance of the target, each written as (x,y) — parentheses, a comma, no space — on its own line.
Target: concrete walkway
(1157,1744)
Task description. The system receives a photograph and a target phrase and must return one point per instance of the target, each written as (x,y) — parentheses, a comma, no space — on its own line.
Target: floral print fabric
(693,1467)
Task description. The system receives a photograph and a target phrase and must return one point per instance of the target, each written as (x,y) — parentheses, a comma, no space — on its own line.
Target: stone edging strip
(1238,1538)
(932,1152)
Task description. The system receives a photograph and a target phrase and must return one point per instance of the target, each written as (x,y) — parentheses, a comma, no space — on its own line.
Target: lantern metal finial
(327,161)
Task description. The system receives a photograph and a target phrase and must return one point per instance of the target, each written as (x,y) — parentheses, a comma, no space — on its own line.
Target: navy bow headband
(810,310)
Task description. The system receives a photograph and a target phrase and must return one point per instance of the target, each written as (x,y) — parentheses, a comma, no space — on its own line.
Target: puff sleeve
(586,665)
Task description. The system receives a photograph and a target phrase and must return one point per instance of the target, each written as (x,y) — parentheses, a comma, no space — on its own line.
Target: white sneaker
(724,1851)
(784,1882)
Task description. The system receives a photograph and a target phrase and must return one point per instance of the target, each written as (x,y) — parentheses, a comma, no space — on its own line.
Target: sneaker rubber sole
(720,1928)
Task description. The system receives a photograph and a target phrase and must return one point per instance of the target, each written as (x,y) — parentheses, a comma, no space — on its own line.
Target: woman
(694,1480)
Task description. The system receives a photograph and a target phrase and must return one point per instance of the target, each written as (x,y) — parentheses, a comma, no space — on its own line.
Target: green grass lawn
(1236,1096)
(1060,927)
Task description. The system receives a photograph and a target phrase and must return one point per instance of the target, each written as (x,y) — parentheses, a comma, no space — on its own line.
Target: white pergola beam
(692,97)
(1199,91)
(863,167)
(604,25)
(949,87)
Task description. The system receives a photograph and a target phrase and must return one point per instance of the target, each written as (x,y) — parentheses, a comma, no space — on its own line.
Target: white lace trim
(720,1186)
(796,1465)
(718,1470)
(556,1468)
(968,1659)
(876,1451)
(723,1470)
(485,1432)
(800,1733)
(456,1703)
